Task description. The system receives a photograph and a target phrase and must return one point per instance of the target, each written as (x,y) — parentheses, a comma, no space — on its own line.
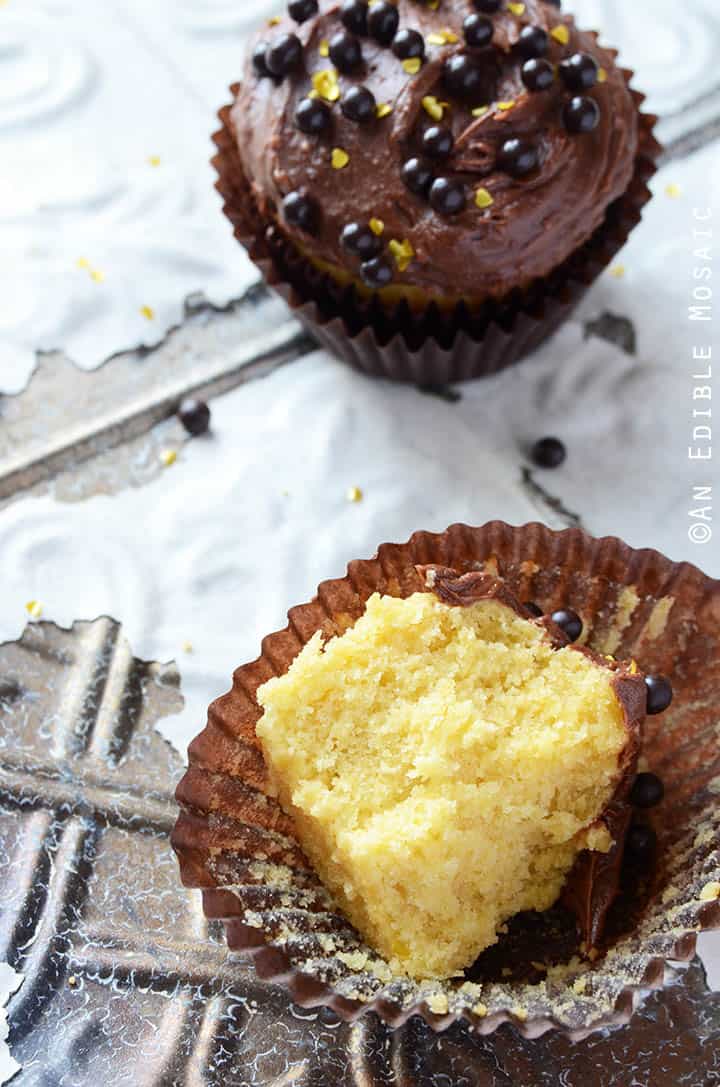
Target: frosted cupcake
(435,173)
(428,797)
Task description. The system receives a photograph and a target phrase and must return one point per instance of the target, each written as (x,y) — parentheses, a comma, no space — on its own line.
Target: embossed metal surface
(126,984)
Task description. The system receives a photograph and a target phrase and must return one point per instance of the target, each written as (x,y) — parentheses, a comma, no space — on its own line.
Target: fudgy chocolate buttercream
(532,224)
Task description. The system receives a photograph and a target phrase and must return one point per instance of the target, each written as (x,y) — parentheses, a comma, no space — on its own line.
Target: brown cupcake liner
(431,348)
(235,842)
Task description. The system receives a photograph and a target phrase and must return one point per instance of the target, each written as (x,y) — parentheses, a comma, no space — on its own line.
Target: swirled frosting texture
(533,223)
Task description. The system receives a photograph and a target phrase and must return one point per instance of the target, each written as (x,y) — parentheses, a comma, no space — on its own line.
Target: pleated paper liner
(236,843)
(431,347)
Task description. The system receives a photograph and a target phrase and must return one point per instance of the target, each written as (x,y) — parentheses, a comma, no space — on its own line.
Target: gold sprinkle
(148,313)
(339,158)
(618,271)
(325,82)
(83,263)
(324,49)
(483,198)
(377,226)
(560,34)
(505,106)
(97,276)
(710,892)
(516,9)
(188,647)
(72,981)
(443,37)
(382,109)
(274,21)
(633,668)
(354,494)
(412,65)
(34,608)
(602,75)
(480,1009)
(673,190)
(168,457)
(402,253)
(480,111)
(433,107)
(154,160)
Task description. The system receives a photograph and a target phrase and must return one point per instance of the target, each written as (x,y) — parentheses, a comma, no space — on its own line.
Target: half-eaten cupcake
(451,760)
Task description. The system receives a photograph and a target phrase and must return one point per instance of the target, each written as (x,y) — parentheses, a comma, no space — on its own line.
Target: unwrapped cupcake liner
(429,348)
(235,842)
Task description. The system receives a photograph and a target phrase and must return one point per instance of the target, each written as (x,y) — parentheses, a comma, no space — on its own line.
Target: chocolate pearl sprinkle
(464,77)
(302,10)
(417,176)
(579,72)
(478,30)
(533,42)
(383,20)
(376,273)
(194,415)
(359,240)
(313,116)
(258,59)
(581,115)
(517,157)
(538,75)
(437,142)
(647,791)
(569,622)
(548,453)
(284,55)
(640,845)
(345,51)
(358,104)
(301,210)
(354,15)
(447,197)
(407,44)
(659,694)
(489,7)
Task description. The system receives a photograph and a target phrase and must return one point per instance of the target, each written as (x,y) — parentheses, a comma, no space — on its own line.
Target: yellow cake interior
(444,766)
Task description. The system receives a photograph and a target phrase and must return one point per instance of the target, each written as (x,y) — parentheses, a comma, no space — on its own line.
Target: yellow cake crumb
(34,609)
(444,766)
(437,1003)
(710,892)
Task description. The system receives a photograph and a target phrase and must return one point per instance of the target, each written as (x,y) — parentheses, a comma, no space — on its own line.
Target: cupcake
(432,186)
(428,797)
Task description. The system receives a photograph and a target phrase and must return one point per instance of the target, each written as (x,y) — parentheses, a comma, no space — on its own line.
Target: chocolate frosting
(533,225)
(593,882)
